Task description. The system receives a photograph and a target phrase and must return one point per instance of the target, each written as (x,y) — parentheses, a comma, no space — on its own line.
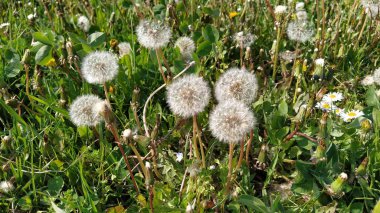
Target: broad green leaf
(204,49)
(55,185)
(41,37)
(96,39)
(43,55)
(371,97)
(253,203)
(283,108)
(210,33)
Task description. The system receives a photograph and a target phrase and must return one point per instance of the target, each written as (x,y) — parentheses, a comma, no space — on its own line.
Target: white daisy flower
(338,111)
(325,106)
(332,97)
(351,115)
(179,156)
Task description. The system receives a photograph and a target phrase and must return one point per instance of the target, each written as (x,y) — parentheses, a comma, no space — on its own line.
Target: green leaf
(371,97)
(253,203)
(204,49)
(44,55)
(210,33)
(13,65)
(283,108)
(41,37)
(96,39)
(55,185)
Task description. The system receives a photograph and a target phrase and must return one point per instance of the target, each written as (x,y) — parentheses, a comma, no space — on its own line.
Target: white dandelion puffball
(288,56)
(6,186)
(300,6)
(372,7)
(188,95)
(320,62)
(301,15)
(247,39)
(124,48)
(186,46)
(236,84)
(376,76)
(231,121)
(367,80)
(332,97)
(325,106)
(351,115)
(99,67)
(280,9)
(299,31)
(83,23)
(82,111)
(153,34)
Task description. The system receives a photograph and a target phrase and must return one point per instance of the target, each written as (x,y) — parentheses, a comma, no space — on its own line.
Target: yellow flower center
(352,114)
(332,96)
(326,106)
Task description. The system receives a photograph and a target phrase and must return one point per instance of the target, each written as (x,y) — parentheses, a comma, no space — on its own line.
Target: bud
(366,125)
(337,186)
(126,134)
(362,169)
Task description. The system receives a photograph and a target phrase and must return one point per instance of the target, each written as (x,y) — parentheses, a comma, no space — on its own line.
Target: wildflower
(367,81)
(350,115)
(186,46)
(231,121)
(236,84)
(332,97)
(300,6)
(190,207)
(99,67)
(179,156)
(83,23)
(233,14)
(6,186)
(325,106)
(153,34)
(338,111)
(299,31)
(188,95)
(212,167)
(245,39)
(124,48)
(82,111)
(376,76)
(320,62)
(280,9)
(372,7)
(301,15)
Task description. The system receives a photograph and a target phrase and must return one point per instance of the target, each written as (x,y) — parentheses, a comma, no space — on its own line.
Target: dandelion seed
(325,106)
(186,46)
(350,115)
(82,112)
(376,76)
(246,39)
(236,84)
(280,9)
(188,95)
(299,31)
(153,34)
(6,186)
(99,67)
(124,49)
(83,23)
(231,121)
(367,81)
(332,97)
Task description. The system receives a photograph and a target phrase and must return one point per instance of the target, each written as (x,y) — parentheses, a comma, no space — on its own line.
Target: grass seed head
(188,95)
(99,67)
(236,84)
(82,112)
(231,121)
(153,34)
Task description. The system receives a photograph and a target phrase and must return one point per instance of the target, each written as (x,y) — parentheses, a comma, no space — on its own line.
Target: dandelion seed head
(300,6)
(6,186)
(280,9)
(124,48)
(376,76)
(186,46)
(82,111)
(300,31)
(83,23)
(188,95)
(301,15)
(153,34)
(99,67)
(372,7)
(247,39)
(367,80)
(288,56)
(230,121)
(236,84)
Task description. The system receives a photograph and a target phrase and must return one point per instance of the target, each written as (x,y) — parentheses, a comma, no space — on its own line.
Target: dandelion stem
(106,92)
(248,147)
(195,147)
(276,53)
(361,31)
(241,154)
(230,156)
(166,64)
(195,126)
(160,67)
(145,171)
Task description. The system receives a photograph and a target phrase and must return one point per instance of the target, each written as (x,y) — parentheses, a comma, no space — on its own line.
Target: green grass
(55,165)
